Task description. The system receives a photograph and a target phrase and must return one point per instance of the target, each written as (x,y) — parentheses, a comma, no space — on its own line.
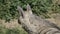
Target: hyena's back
(38,21)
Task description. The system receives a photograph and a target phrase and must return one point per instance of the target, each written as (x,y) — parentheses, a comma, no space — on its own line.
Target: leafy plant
(8,8)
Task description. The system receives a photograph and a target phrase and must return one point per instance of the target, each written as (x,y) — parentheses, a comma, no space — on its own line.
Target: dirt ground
(12,24)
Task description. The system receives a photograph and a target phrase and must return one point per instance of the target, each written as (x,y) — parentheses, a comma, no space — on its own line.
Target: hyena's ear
(21,12)
(29,9)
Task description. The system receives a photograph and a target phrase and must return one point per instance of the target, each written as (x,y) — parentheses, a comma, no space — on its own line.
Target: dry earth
(12,24)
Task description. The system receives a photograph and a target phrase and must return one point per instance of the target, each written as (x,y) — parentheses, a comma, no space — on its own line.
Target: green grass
(16,30)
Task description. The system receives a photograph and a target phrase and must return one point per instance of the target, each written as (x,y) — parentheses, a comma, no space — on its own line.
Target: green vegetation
(8,8)
(18,30)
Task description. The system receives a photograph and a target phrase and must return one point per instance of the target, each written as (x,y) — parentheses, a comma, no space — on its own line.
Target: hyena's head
(24,15)
(27,19)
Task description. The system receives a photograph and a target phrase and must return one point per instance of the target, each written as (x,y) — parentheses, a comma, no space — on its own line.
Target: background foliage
(8,8)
